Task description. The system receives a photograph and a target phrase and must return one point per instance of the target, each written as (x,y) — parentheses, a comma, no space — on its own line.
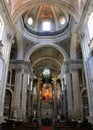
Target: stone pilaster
(24,92)
(73,46)
(75,109)
(20,92)
(77,106)
(69,90)
(69,96)
(5,56)
(90,91)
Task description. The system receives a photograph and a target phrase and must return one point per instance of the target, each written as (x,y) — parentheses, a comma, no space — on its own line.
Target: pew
(68,126)
(16,125)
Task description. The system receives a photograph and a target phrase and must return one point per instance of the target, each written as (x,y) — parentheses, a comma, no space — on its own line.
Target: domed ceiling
(46,18)
(46,21)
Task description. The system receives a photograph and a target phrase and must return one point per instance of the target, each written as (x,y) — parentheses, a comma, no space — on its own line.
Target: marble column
(69,96)
(20,92)
(89,90)
(68,87)
(24,92)
(77,106)
(6,49)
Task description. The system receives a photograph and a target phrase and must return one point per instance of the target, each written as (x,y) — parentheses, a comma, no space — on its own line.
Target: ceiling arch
(69,7)
(40,45)
(46,57)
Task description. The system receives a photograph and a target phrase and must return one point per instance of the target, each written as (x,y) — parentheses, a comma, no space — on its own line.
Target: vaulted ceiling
(45,48)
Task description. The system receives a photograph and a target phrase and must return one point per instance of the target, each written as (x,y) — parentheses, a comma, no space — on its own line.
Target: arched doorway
(85,103)
(7,103)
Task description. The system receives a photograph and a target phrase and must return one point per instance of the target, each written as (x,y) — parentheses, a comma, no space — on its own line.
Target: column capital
(21,65)
(72,65)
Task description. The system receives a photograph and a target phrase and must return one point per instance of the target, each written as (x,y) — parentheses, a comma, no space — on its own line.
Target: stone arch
(31,50)
(28,5)
(7,102)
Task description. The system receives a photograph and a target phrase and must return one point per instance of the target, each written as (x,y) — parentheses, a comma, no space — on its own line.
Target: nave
(46,64)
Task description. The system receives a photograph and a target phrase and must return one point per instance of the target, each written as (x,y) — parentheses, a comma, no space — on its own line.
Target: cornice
(72,65)
(21,62)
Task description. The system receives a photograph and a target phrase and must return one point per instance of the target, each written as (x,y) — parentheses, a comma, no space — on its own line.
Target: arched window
(1,68)
(1,26)
(90,25)
(7,103)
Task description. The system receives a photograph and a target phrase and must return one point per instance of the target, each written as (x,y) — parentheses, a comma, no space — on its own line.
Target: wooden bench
(67,126)
(23,126)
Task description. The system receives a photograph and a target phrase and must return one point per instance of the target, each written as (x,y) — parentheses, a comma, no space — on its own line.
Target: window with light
(90,26)
(1,26)
(46,25)
(1,68)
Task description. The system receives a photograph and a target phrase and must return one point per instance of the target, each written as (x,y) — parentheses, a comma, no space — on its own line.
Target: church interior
(46,64)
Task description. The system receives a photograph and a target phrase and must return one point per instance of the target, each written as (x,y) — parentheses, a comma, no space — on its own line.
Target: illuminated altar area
(47,94)
(47,103)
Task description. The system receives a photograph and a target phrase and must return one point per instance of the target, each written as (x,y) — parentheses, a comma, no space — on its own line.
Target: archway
(85,103)
(7,103)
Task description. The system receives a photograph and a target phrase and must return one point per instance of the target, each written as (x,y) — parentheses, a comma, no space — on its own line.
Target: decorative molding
(20,65)
(72,65)
(81,36)
(10,37)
